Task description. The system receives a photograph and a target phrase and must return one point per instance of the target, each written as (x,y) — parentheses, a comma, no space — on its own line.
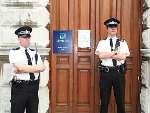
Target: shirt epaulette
(32,49)
(121,39)
(17,48)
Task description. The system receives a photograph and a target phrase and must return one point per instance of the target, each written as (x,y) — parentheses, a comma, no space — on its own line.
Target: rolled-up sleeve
(39,60)
(125,48)
(11,57)
(100,47)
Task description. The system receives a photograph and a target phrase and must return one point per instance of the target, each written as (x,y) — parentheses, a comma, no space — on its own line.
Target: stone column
(145,67)
(43,89)
(13,14)
(4,85)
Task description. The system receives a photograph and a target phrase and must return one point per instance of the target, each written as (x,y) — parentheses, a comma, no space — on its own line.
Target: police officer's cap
(111,22)
(24,31)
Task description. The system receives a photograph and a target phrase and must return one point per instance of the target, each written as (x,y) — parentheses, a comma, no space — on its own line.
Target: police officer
(112,52)
(26,67)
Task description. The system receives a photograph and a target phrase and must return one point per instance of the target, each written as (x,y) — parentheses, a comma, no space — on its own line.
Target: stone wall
(145,67)
(13,14)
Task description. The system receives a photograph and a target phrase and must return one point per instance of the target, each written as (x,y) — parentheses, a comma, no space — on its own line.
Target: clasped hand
(117,55)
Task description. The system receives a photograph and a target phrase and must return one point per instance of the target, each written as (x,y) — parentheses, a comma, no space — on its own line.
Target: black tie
(111,45)
(32,77)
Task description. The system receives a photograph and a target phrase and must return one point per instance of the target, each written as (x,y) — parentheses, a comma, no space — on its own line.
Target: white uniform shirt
(17,56)
(104,46)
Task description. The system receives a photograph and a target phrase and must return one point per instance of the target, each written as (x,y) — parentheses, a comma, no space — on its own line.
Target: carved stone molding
(16,13)
(145,53)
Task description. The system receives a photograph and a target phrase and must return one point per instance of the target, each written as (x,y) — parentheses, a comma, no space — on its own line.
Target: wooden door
(75,77)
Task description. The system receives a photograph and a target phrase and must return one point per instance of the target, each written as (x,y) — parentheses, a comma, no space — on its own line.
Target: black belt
(119,68)
(25,82)
(109,69)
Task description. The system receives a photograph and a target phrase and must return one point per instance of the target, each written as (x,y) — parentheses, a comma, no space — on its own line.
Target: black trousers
(24,96)
(116,80)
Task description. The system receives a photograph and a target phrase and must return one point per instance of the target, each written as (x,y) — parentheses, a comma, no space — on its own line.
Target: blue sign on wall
(62,41)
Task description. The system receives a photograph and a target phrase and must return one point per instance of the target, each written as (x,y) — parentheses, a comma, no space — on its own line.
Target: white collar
(114,38)
(23,49)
